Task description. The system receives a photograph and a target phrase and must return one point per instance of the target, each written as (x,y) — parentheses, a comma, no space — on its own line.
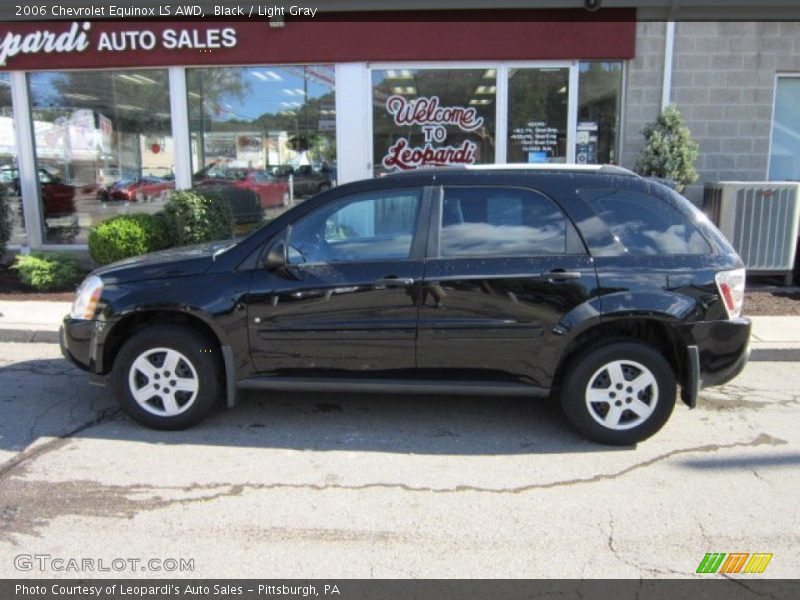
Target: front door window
(369,227)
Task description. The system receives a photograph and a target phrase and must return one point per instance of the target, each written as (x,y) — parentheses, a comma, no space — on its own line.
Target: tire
(595,393)
(140,371)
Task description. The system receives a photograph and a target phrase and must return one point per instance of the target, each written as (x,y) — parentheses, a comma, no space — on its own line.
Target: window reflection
(646,225)
(784,160)
(103,146)
(376,226)
(500,222)
(267,130)
(599,105)
(9,176)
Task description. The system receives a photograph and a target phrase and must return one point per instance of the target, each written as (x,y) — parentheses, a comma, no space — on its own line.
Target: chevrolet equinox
(589,283)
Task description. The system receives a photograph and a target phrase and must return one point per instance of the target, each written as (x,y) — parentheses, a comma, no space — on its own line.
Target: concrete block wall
(723,82)
(642,96)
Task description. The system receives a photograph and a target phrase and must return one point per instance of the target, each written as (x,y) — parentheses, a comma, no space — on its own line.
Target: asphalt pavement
(335,485)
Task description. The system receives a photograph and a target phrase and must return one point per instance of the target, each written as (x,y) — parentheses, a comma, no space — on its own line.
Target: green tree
(669,151)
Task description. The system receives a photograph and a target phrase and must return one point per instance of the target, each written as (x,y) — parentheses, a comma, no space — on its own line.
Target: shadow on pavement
(744,462)
(49,397)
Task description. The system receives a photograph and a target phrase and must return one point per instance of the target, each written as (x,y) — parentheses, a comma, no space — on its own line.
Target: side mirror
(277,256)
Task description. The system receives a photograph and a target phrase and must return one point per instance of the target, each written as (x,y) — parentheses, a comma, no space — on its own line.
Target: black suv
(589,283)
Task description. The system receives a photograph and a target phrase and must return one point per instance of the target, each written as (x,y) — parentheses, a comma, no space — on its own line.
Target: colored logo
(733,563)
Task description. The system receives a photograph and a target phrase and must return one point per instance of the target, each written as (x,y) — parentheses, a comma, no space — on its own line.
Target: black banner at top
(684,10)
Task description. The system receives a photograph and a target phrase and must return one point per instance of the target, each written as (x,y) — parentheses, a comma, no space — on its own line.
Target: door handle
(562,275)
(391,282)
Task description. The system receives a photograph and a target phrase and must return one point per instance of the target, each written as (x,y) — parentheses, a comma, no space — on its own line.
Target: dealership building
(105,117)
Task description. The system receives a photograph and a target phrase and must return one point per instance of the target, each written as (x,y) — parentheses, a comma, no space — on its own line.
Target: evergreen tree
(669,151)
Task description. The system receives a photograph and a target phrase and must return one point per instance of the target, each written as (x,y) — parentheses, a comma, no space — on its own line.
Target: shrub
(46,272)
(5,221)
(199,216)
(129,235)
(669,152)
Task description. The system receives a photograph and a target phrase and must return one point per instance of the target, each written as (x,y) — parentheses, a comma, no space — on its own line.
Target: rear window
(645,225)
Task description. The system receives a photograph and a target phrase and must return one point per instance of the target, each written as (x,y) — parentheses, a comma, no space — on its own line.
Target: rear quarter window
(644,224)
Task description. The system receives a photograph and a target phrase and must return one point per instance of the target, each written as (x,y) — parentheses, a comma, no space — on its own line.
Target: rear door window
(645,225)
(496,221)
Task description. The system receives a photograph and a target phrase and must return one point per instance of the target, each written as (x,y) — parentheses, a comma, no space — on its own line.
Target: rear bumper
(719,351)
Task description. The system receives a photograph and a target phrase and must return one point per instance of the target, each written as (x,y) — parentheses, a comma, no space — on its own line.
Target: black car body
(489,281)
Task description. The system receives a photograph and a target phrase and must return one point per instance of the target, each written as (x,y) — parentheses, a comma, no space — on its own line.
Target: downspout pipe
(669,46)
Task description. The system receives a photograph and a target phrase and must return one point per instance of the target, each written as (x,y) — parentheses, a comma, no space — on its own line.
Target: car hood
(174,262)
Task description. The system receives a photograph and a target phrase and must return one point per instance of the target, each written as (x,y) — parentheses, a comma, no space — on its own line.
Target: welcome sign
(433,119)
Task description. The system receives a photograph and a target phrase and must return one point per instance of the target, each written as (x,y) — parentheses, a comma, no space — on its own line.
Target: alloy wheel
(163,382)
(621,394)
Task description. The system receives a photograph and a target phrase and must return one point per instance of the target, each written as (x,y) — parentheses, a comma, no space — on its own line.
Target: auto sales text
(78,38)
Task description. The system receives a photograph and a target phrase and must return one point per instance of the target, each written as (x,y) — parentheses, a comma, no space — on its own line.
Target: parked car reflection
(306,179)
(58,198)
(269,189)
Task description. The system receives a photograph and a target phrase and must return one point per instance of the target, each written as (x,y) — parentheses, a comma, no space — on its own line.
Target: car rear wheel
(167,378)
(619,394)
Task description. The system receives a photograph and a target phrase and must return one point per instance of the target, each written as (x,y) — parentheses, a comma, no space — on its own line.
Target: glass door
(538,114)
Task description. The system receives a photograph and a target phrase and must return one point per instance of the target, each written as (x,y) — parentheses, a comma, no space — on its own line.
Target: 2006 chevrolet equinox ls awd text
(590,283)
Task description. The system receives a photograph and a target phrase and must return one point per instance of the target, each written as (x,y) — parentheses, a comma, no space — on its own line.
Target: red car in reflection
(142,190)
(269,189)
(58,197)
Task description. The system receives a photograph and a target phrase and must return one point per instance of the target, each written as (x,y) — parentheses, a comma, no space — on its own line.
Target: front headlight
(86,298)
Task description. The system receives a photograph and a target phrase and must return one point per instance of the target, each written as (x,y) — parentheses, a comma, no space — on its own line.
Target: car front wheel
(167,377)
(619,394)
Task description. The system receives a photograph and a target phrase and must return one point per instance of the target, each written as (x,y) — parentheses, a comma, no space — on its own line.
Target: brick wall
(723,82)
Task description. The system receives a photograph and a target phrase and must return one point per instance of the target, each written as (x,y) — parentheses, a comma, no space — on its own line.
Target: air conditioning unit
(760,220)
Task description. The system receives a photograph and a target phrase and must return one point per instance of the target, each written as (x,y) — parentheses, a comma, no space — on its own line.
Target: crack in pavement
(31,454)
(652,570)
(26,505)
(732,397)
(760,440)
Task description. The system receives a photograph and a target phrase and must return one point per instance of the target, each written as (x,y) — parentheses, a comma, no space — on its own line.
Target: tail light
(731,288)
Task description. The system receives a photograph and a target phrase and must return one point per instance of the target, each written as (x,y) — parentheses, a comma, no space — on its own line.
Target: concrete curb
(44,336)
(774,354)
(29,336)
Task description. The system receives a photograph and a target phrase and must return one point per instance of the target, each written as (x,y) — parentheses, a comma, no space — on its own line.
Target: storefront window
(263,135)
(784,158)
(537,115)
(9,176)
(433,117)
(599,102)
(103,147)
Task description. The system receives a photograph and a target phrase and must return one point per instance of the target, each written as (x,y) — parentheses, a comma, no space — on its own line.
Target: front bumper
(75,339)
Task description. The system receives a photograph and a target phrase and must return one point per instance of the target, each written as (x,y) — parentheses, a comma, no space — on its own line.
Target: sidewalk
(773,338)
(31,321)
